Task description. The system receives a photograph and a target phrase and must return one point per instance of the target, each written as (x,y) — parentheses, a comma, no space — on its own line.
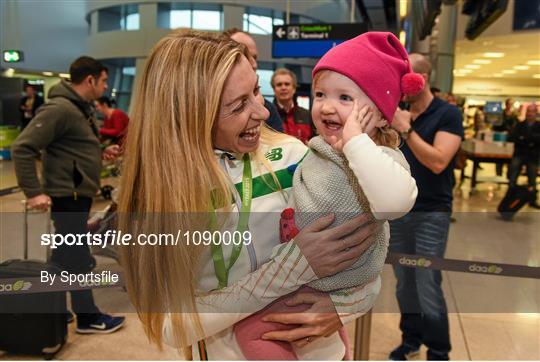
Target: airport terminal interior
(485,57)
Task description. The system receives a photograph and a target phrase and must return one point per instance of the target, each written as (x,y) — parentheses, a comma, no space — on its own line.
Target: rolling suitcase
(513,201)
(31,323)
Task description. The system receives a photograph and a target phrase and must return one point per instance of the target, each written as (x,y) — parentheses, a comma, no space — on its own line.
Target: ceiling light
(498,75)
(482,61)
(536,76)
(472,66)
(64,75)
(521,67)
(493,55)
(464,71)
(533,62)
(402,8)
(48,74)
(509,71)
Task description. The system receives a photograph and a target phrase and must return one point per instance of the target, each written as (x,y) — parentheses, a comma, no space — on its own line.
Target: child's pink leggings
(248,333)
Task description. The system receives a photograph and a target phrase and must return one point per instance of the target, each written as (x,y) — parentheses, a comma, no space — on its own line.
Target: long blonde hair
(170,170)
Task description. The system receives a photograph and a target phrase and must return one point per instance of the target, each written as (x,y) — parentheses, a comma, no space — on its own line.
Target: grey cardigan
(324,183)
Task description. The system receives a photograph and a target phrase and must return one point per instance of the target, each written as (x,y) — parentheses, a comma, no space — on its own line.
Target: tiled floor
(491,317)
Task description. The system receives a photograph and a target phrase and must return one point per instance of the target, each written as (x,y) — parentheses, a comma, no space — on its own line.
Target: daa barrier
(464,266)
(106,279)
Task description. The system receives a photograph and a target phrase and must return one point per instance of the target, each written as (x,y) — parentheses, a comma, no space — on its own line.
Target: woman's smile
(251,135)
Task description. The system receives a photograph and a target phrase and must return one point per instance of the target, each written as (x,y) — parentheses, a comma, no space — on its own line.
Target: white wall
(50,33)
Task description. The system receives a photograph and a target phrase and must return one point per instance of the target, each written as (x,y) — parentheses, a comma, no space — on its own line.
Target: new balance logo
(275,154)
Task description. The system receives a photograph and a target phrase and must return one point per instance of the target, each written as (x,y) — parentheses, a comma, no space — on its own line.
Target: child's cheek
(345,113)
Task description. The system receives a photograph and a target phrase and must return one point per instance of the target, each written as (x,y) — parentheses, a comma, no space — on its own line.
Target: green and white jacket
(267,269)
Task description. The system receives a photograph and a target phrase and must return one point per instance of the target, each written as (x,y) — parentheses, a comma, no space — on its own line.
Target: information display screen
(311,40)
(494,112)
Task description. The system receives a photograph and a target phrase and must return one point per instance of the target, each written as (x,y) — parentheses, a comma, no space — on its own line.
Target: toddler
(352,167)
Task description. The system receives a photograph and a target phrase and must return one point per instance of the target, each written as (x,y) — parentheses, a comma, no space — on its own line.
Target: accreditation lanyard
(222,271)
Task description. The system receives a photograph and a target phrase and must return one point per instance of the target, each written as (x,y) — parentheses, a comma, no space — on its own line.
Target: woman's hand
(320,320)
(329,251)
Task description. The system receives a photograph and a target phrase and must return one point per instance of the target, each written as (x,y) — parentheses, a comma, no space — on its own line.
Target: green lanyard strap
(222,271)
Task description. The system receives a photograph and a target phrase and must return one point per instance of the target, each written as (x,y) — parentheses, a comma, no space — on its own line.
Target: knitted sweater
(325,183)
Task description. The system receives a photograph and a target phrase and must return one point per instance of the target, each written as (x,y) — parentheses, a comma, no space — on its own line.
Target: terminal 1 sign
(311,40)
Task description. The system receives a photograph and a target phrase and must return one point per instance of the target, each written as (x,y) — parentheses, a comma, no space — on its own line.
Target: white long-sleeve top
(384,176)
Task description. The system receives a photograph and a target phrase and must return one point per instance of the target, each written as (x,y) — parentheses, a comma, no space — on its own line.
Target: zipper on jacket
(250,248)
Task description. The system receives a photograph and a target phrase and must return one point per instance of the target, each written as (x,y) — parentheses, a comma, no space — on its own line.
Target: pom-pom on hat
(379,65)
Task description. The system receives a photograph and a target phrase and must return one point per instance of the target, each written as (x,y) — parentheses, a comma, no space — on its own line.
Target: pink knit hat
(377,63)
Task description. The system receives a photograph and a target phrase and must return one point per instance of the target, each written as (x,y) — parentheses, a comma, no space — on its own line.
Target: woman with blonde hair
(199,158)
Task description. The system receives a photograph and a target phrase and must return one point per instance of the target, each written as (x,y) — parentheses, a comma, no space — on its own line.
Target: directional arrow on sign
(293,32)
(280,32)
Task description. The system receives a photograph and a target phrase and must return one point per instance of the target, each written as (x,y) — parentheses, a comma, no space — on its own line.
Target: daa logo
(19,285)
(421,262)
(492,269)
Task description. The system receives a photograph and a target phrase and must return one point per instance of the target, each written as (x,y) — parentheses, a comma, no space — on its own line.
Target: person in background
(296,120)
(28,105)
(451,99)
(247,40)
(509,117)
(479,122)
(115,123)
(526,138)
(509,121)
(436,92)
(65,128)
(432,131)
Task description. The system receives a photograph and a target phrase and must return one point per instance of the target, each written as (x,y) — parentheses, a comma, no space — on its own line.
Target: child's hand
(354,126)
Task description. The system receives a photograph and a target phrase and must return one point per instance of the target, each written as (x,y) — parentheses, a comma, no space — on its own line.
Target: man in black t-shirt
(432,131)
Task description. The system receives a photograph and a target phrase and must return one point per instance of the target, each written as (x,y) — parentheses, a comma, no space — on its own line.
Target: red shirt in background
(116,125)
(302,131)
